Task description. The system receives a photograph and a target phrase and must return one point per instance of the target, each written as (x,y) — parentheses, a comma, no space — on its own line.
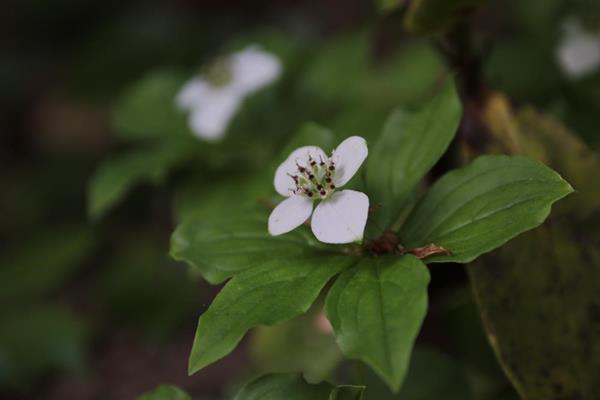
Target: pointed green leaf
(376,309)
(283,386)
(410,144)
(348,392)
(165,392)
(475,209)
(227,242)
(225,232)
(538,294)
(272,292)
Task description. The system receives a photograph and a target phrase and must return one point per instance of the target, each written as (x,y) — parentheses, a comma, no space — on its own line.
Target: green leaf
(347,392)
(228,242)
(538,297)
(275,291)
(410,144)
(165,392)
(538,294)
(475,209)
(225,232)
(426,16)
(280,386)
(147,109)
(376,309)
(115,177)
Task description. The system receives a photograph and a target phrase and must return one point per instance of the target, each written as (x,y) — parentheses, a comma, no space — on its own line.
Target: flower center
(314,179)
(218,73)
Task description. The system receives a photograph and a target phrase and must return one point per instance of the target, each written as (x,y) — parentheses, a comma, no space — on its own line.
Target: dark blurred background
(92,307)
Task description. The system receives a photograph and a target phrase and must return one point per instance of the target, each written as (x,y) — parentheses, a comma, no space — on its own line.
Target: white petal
(283,182)
(289,214)
(192,94)
(341,218)
(578,52)
(210,120)
(253,69)
(348,158)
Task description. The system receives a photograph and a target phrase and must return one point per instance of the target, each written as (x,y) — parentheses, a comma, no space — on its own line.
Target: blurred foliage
(38,338)
(43,263)
(544,324)
(432,375)
(389,5)
(427,16)
(302,344)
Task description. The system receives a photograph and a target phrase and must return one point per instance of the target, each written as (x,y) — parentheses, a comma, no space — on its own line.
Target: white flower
(308,175)
(578,52)
(212,99)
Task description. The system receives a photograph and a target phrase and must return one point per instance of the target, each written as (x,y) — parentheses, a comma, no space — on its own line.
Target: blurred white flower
(213,98)
(578,52)
(308,175)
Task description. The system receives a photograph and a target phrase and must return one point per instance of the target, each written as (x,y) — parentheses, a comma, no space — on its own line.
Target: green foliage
(140,288)
(389,5)
(473,210)
(165,392)
(377,304)
(409,145)
(291,285)
(42,263)
(224,231)
(294,387)
(513,61)
(405,77)
(37,339)
(147,110)
(277,387)
(427,16)
(432,375)
(309,134)
(538,294)
(220,245)
(115,177)
(376,309)
(301,344)
(348,392)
